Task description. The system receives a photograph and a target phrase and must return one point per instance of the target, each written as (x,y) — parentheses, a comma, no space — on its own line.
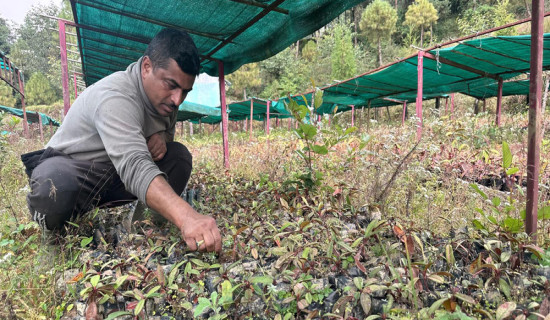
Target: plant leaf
(319,149)
(203,304)
(505,310)
(139,307)
(117,314)
(478,190)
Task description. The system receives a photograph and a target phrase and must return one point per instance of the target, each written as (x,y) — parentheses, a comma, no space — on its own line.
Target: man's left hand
(157,146)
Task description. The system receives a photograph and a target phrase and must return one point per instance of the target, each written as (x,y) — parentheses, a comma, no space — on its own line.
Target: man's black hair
(175,44)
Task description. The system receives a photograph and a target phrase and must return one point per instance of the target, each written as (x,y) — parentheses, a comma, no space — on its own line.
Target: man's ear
(146,66)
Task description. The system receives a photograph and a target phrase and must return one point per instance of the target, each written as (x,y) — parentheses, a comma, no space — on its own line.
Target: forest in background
(371,34)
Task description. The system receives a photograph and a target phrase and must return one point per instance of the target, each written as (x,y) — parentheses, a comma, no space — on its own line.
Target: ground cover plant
(324,221)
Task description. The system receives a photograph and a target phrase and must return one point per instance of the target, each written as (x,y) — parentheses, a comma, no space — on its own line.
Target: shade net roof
(471,68)
(115,33)
(32,116)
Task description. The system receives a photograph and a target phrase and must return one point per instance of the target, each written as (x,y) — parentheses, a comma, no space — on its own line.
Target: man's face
(167,87)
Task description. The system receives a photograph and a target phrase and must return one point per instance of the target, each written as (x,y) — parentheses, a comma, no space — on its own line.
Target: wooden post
(64,67)
(352,115)
(404,112)
(251,117)
(484,105)
(535,118)
(499,102)
(22,90)
(224,116)
(40,126)
(388,111)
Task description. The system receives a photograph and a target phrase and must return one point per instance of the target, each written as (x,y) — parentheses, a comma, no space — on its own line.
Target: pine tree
(421,14)
(246,77)
(343,56)
(6,95)
(378,23)
(38,90)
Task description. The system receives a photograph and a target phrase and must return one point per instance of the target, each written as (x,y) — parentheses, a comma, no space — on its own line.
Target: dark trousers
(63,188)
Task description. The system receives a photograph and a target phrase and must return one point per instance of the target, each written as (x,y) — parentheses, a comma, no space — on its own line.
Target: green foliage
(420,15)
(245,79)
(343,57)
(378,22)
(39,90)
(310,52)
(485,17)
(7,97)
(5,36)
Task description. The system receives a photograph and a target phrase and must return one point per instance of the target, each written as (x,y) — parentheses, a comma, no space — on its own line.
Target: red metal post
(268,122)
(535,118)
(64,67)
(499,102)
(10,69)
(75,89)
(420,82)
(22,90)
(251,115)
(404,112)
(224,116)
(352,115)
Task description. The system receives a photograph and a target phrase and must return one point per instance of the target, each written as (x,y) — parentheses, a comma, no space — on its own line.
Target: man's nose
(177,97)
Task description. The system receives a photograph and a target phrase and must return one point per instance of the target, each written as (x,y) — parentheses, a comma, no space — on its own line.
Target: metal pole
(64,67)
(499,102)
(420,72)
(251,115)
(224,116)
(535,118)
(22,90)
(352,115)
(268,122)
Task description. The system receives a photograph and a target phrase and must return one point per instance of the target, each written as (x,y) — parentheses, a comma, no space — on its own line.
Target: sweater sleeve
(119,123)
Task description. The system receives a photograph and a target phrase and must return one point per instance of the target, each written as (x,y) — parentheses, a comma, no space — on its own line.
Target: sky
(17,9)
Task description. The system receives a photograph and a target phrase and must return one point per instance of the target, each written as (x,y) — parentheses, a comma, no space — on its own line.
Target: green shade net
(504,57)
(32,116)
(189,111)
(123,29)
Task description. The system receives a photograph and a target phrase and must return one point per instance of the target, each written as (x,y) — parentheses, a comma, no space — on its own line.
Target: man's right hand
(201,233)
(198,231)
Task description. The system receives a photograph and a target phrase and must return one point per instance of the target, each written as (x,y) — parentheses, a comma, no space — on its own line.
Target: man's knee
(180,152)
(53,194)
(177,164)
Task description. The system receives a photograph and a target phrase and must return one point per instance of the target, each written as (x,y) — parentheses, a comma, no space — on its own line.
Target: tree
(421,14)
(484,17)
(5,36)
(246,77)
(38,90)
(6,95)
(378,23)
(343,55)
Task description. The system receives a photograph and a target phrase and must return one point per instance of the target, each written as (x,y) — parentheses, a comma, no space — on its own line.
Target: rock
(319,284)
(330,300)
(377,305)
(61,283)
(80,308)
(210,283)
(379,294)
(250,266)
(355,272)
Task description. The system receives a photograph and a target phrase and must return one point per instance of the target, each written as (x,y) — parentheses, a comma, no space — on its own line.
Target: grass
(264,218)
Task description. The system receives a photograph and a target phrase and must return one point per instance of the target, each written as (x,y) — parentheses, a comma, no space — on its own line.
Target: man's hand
(198,231)
(157,146)
(201,233)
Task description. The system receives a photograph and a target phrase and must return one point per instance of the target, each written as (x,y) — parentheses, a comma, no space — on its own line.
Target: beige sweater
(109,122)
